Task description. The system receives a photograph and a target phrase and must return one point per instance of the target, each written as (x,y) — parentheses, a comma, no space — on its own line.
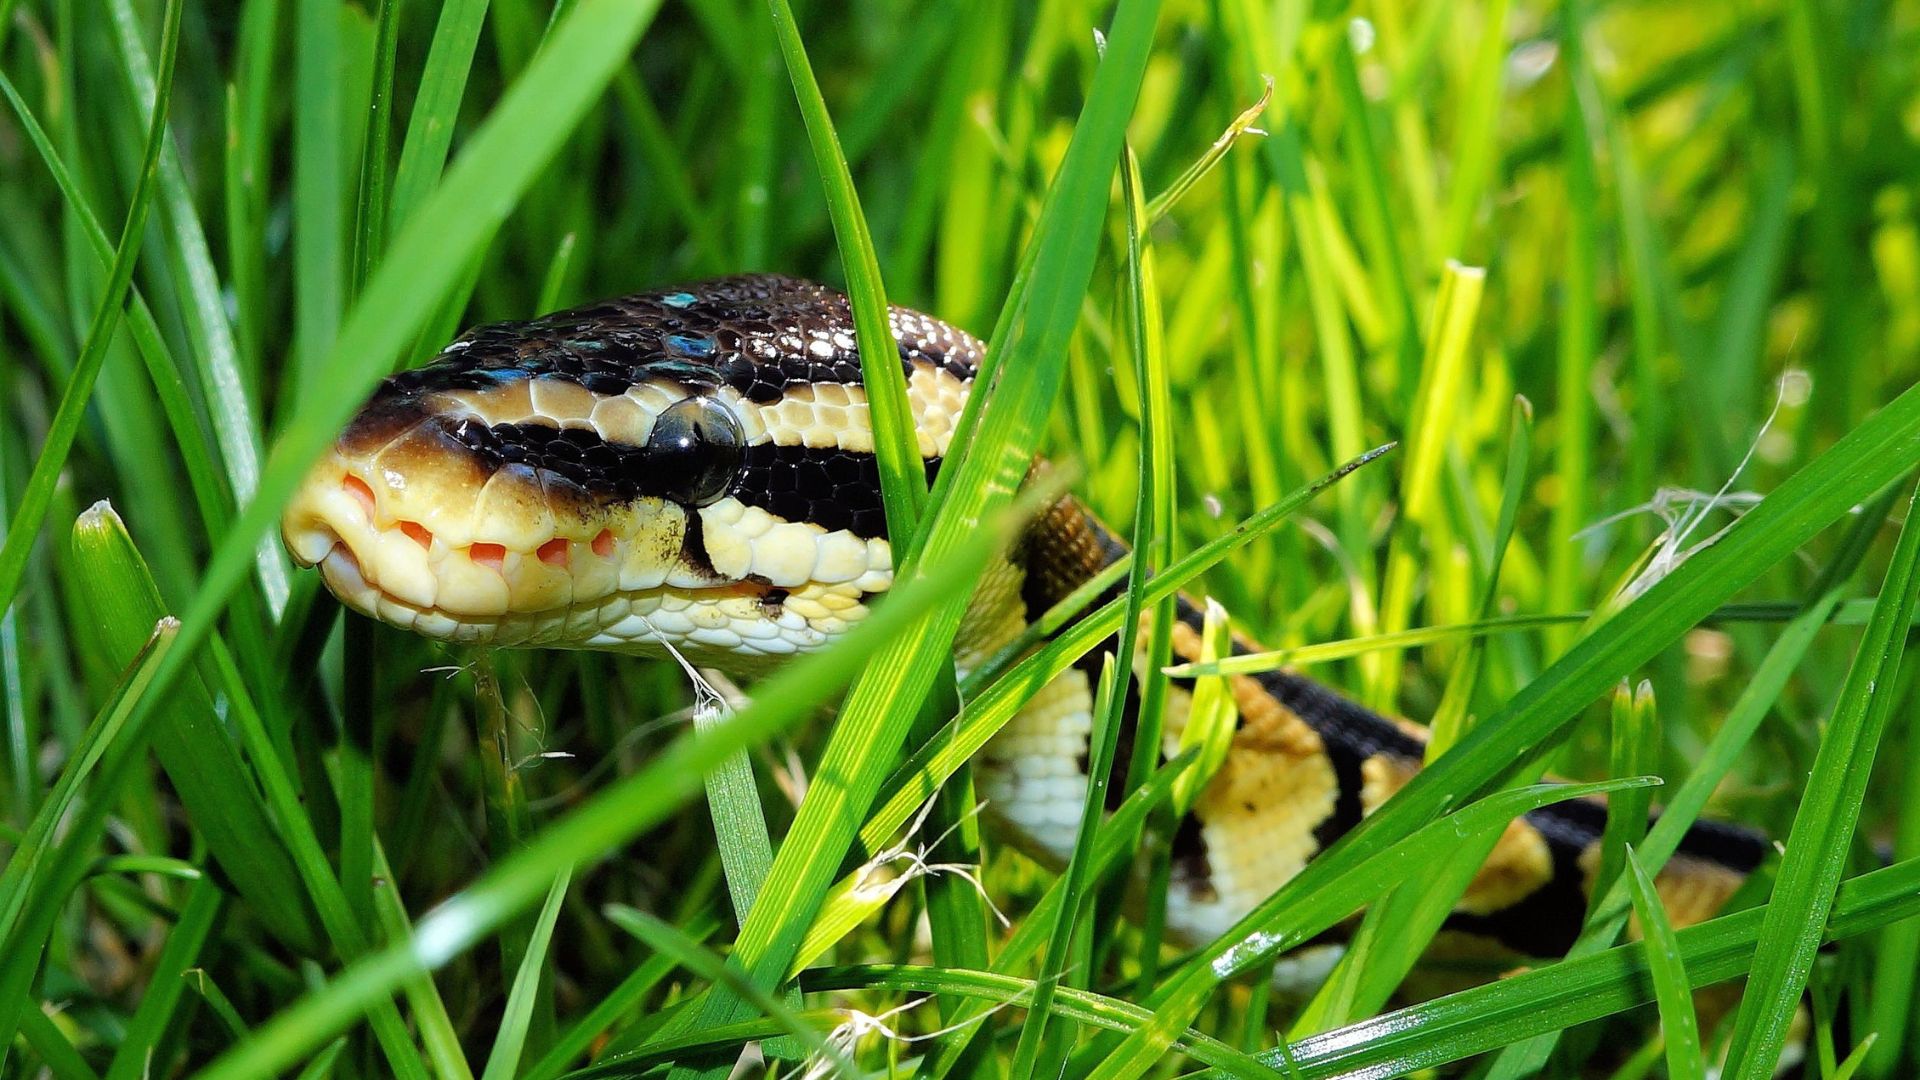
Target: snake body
(693,468)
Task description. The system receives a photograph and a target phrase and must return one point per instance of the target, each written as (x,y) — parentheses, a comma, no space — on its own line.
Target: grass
(266,840)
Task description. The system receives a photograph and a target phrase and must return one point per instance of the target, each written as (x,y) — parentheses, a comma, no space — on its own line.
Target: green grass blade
(1439,397)
(628,995)
(1818,846)
(503,1061)
(136,1057)
(123,576)
(235,424)
(209,486)
(44,869)
(437,1034)
(684,952)
(1450,717)
(320,253)
(436,107)
(51,1046)
(200,759)
(1577,342)
(1670,987)
(370,208)
(1635,750)
(31,512)
(903,480)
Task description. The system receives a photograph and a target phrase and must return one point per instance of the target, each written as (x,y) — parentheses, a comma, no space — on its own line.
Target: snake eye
(695,450)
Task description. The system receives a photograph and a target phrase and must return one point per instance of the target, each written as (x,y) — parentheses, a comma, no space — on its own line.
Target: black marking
(762,334)
(1188,854)
(833,488)
(1349,733)
(773,602)
(1577,823)
(693,547)
(1546,921)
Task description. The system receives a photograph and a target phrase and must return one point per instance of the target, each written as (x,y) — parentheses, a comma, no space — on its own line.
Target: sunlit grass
(265,838)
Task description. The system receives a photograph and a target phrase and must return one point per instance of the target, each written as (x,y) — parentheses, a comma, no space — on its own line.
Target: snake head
(689,468)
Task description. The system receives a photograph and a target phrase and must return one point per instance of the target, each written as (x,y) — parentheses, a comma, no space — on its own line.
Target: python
(693,469)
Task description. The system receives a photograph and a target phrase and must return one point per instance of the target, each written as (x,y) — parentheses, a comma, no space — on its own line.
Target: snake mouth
(618,582)
(406,551)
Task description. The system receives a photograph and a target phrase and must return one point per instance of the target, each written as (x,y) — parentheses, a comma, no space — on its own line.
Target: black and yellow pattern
(693,470)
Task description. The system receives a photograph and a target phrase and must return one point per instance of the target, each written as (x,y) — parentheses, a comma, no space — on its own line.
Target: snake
(693,470)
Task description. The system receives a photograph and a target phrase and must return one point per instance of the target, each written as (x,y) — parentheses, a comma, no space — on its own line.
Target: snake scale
(694,468)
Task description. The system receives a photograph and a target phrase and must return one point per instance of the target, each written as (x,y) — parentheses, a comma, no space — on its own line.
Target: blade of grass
(955,908)
(1476,146)
(1438,399)
(320,256)
(1671,991)
(209,486)
(31,512)
(1821,840)
(625,997)
(137,1056)
(235,426)
(123,576)
(437,1033)
(1450,718)
(1027,1061)
(664,939)
(55,1051)
(1578,323)
(903,479)
(247,180)
(25,866)
(1328,651)
(208,774)
(1635,749)
(1152,535)
(436,107)
(44,869)
(503,1061)
(1890,1008)
(1115,843)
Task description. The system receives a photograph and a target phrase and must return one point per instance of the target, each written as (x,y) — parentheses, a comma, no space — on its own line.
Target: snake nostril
(556,552)
(603,543)
(493,555)
(361,493)
(418,533)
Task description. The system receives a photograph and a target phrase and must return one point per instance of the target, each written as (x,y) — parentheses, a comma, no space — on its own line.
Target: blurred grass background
(1697,224)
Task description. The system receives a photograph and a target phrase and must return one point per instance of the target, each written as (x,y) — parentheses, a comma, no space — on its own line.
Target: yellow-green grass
(269,840)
